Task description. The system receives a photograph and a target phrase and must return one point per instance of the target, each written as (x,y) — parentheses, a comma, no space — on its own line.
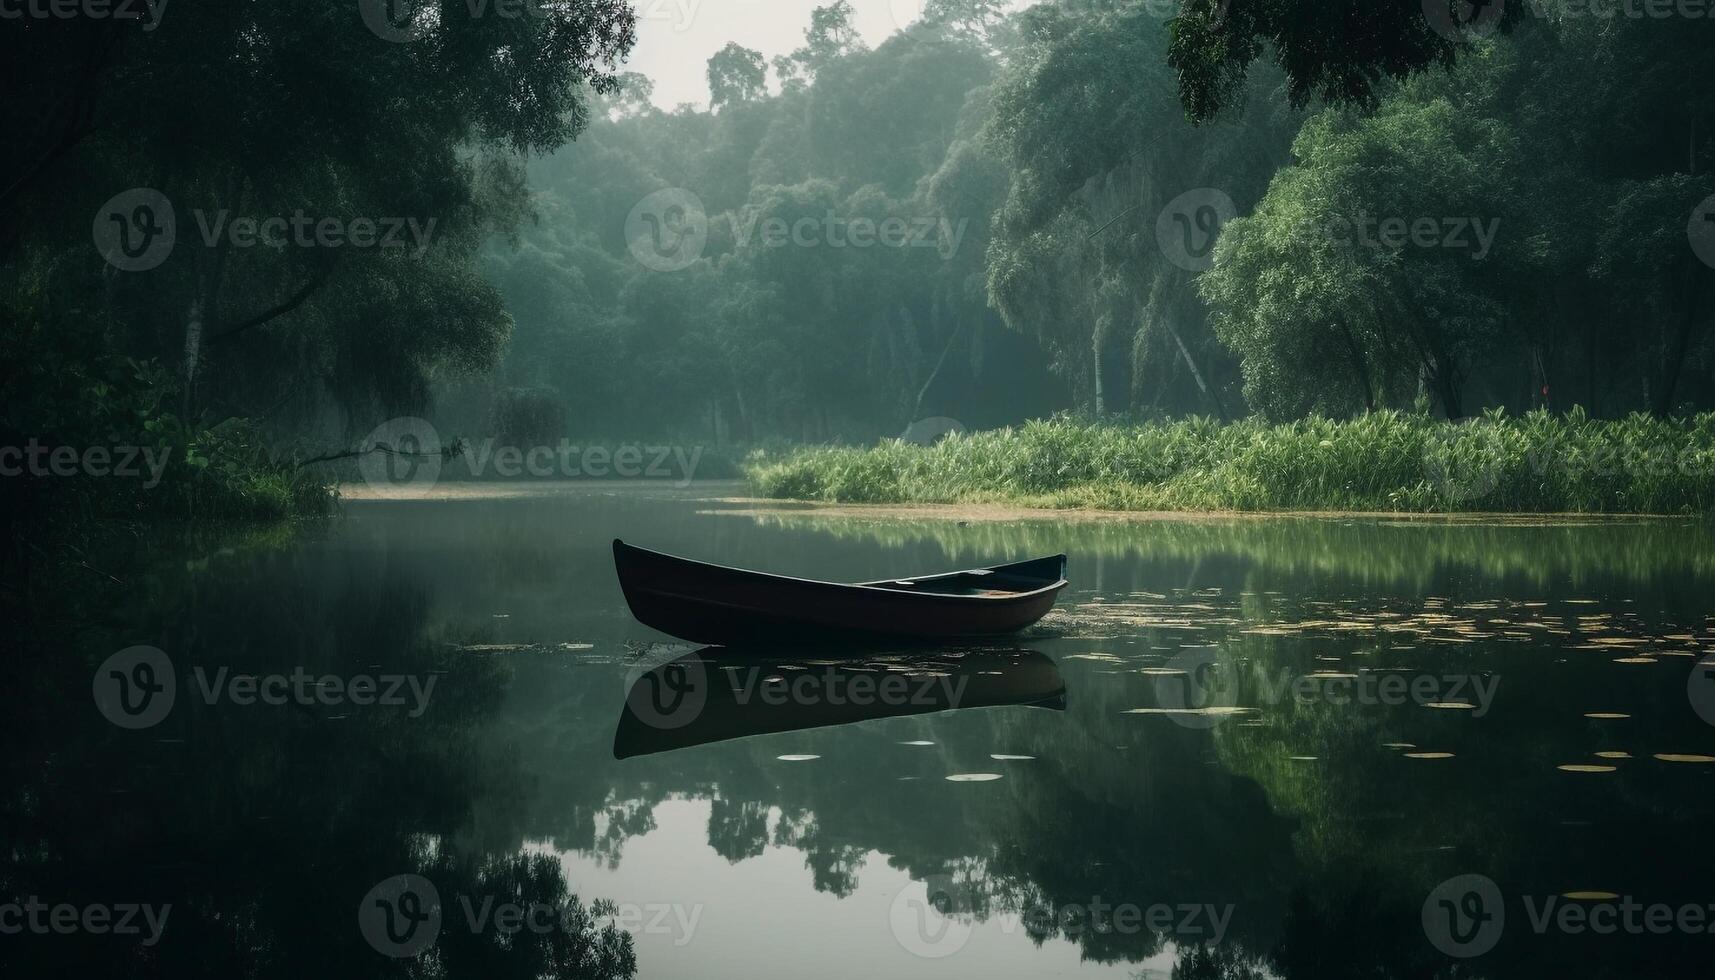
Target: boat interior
(1024,576)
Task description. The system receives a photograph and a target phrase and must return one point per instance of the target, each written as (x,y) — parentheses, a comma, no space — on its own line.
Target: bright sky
(676,37)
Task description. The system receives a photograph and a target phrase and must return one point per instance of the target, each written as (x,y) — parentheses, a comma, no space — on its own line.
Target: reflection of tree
(833,864)
(1410,553)
(738,829)
(625,819)
(578,945)
(1208,962)
(263,826)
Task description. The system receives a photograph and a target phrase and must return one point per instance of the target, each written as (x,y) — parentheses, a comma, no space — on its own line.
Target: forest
(1463,235)
(1127,212)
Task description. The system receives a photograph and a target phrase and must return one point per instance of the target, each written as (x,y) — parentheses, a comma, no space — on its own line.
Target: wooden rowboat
(721,693)
(707,603)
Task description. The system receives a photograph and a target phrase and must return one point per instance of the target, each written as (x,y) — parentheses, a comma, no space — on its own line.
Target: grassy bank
(1384,461)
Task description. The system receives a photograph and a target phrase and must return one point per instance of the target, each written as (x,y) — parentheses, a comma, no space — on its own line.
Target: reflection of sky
(761,917)
(676,37)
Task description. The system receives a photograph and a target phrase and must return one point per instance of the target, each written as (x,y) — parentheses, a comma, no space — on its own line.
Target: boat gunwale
(1054,586)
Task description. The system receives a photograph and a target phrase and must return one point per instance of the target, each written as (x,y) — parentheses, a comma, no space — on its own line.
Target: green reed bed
(1383,461)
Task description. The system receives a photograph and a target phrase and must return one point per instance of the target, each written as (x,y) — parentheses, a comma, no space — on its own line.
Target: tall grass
(1383,461)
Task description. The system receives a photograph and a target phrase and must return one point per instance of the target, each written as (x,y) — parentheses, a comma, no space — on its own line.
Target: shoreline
(731,504)
(994,512)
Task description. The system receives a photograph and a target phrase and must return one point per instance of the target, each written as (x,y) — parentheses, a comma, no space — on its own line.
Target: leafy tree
(736,74)
(1338,50)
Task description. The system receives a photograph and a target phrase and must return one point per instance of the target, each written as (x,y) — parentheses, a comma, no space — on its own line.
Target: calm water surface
(1237,748)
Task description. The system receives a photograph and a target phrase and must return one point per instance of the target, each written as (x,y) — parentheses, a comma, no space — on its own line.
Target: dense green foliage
(233,116)
(1121,208)
(1452,222)
(1383,461)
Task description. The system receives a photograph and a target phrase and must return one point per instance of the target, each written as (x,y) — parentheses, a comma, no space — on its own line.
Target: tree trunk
(1442,376)
(1361,365)
(1681,342)
(193,357)
(1096,367)
(1202,385)
(917,407)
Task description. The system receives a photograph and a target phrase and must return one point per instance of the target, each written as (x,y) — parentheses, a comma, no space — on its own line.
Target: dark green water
(1221,775)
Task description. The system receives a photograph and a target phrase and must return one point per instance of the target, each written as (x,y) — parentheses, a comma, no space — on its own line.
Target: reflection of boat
(707,603)
(719,693)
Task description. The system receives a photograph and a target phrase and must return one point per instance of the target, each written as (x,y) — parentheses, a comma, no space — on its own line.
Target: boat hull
(714,604)
(721,693)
